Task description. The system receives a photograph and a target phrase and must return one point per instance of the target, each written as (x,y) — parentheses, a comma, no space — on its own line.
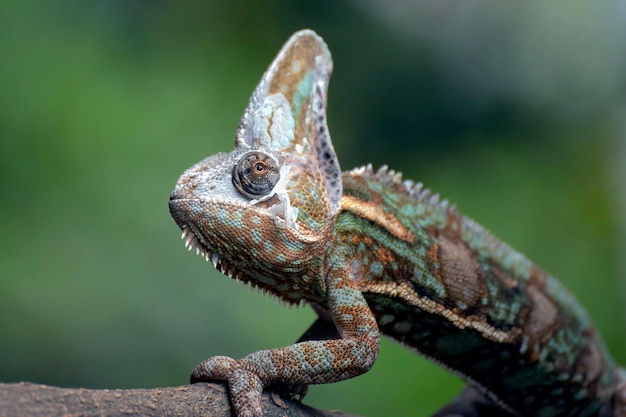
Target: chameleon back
(442,285)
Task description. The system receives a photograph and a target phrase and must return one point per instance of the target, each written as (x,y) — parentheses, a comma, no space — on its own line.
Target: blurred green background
(515,111)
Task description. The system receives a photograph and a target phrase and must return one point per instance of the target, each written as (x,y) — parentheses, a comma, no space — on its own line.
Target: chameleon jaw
(192,242)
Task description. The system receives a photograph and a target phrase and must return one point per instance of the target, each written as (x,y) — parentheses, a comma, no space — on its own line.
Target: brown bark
(33,400)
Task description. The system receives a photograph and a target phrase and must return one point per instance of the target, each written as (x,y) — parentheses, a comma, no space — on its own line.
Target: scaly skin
(374,254)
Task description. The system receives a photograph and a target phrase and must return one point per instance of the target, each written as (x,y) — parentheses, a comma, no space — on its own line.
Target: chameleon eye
(256,174)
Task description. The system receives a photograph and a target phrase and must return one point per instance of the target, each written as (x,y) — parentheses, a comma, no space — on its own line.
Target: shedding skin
(374,254)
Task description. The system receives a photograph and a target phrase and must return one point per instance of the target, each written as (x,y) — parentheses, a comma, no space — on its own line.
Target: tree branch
(34,400)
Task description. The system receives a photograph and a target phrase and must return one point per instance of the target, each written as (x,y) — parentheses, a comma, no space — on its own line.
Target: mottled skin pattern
(375,254)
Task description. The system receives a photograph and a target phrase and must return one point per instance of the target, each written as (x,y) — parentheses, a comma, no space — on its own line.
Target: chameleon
(374,254)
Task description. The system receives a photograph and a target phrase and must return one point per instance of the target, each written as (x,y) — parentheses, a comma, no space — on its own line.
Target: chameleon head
(263,209)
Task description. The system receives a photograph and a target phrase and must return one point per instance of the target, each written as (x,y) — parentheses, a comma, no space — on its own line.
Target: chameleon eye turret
(256,174)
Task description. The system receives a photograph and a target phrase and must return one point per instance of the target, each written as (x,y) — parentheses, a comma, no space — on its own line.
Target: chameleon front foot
(245,387)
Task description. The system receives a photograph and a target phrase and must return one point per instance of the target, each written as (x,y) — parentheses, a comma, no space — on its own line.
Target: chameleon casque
(374,254)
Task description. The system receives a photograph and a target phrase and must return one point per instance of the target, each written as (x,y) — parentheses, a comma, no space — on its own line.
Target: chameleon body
(374,254)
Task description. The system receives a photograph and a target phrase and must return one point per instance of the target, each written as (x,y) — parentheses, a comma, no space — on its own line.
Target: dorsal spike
(359,170)
(417,189)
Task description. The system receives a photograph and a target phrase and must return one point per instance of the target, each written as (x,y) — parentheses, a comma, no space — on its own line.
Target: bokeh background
(515,111)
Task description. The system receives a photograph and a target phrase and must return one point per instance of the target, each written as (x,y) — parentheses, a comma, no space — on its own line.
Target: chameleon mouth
(192,242)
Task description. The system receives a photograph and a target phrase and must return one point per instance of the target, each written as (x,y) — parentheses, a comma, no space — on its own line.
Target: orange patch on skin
(384,255)
(537,277)
(433,254)
(503,277)
(433,258)
(454,225)
(373,212)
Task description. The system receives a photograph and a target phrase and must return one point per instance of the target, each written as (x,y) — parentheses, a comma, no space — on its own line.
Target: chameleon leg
(307,362)
(322,328)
